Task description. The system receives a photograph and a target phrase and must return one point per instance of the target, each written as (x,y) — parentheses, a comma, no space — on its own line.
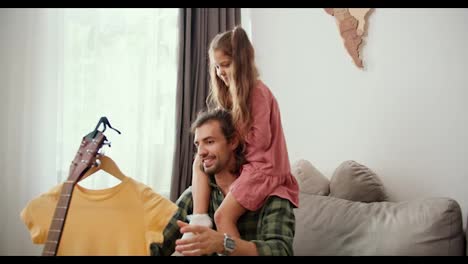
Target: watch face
(229,243)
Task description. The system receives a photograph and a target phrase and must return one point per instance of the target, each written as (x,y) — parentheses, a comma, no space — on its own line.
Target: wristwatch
(229,245)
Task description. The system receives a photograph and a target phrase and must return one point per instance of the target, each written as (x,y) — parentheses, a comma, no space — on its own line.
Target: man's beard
(216,168)
(206,172)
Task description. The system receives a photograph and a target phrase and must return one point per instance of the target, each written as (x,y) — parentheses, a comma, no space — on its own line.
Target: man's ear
(234,142)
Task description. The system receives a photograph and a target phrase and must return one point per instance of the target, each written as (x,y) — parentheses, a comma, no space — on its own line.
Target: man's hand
(205,241)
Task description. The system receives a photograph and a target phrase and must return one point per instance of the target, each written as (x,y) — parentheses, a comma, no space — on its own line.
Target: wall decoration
(352,26)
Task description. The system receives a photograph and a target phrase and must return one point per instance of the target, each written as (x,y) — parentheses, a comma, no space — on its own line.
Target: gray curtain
(197,26)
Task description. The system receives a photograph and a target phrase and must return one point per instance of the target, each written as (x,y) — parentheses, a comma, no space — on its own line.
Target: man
(267,231)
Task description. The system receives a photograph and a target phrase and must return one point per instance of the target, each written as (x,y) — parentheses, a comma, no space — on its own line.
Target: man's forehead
(209,129)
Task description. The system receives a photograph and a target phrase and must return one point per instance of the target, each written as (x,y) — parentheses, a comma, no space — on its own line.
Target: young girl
(235,86)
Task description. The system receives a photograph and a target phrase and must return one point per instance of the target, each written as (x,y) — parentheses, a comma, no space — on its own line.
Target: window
(120,63)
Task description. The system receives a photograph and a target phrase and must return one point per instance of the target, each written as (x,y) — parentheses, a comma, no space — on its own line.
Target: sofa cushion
(310,180)
(331,226)
(466,237)
(355,182)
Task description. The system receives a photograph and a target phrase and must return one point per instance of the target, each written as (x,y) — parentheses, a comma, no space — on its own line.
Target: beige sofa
(350,215)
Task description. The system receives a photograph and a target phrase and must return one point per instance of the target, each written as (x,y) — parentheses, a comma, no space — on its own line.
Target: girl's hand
(197,164)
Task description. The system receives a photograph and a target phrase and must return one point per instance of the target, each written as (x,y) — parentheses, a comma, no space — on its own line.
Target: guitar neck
(58,220)
(81,163)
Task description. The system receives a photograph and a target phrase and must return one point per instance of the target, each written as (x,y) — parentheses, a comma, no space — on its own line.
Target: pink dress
(267,171)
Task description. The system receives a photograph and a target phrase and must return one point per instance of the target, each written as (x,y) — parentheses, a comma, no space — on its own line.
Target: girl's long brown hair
(235,98)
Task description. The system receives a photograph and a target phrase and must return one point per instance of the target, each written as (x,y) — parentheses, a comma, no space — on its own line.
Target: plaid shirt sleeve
(171,232)
(276,228)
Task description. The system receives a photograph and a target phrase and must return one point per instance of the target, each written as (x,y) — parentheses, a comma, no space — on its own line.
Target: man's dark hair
(228,129)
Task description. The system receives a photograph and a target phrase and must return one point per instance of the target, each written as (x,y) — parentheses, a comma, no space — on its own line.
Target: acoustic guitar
(84,159)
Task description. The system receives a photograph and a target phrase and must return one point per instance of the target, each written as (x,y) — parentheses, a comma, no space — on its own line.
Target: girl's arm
(260,131)
(200,188)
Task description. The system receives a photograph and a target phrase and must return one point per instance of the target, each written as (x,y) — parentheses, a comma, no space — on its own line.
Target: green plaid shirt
(271,227)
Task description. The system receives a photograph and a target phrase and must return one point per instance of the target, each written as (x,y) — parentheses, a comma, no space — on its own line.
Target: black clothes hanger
(103,120)
(103,162)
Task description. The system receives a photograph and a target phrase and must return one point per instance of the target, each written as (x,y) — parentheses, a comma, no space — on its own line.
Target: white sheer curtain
(121,63)
(60,71)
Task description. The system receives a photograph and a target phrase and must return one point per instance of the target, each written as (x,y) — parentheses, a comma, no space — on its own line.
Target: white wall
(404,116)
